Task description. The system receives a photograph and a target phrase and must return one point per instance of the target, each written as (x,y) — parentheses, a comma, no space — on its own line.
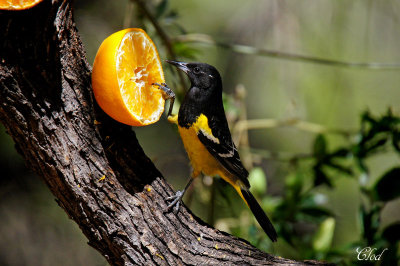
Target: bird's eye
(196,70)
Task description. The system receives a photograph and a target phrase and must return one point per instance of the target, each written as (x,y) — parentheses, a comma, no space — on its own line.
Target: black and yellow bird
(206,137)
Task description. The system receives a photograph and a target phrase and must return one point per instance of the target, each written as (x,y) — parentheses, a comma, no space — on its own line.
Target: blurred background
(319,132)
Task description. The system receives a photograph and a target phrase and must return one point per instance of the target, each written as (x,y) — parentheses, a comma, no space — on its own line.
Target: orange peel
(18,4)
(124,70)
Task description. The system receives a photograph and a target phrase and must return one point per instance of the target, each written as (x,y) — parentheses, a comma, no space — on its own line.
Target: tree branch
(245,49)
(97,170)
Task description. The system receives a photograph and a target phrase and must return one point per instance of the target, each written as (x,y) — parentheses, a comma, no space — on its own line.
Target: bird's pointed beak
(181,65)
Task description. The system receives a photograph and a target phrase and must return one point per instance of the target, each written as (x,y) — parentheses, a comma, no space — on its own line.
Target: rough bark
(46,105)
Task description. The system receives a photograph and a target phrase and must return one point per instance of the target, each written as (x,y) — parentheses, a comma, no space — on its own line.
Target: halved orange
(18,4)
(125,67)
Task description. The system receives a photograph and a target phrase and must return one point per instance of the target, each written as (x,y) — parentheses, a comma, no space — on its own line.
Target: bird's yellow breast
(200,158)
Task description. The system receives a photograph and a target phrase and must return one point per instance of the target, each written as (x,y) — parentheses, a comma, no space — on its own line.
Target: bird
(206,136)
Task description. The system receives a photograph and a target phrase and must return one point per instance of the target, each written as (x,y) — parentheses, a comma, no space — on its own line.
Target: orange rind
(124,70)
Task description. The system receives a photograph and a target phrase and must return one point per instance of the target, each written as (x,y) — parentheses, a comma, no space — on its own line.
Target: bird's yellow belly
(200,158)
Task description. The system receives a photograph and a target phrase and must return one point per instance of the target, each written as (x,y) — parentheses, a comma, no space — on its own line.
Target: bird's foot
(175,201)
(167,93)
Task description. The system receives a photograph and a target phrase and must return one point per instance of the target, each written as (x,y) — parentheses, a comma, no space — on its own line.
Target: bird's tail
(260,215)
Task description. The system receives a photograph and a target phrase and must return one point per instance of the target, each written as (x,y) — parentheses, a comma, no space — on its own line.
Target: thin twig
(280,156)
(163,35)
(128,15)
(244,49)
(244,125)
(242,139)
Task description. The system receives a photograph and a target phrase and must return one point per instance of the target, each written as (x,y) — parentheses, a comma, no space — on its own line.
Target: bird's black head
(204,95)
(205,80)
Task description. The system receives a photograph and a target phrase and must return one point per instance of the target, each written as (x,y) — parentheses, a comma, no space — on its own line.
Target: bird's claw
(176,201)
(167,93)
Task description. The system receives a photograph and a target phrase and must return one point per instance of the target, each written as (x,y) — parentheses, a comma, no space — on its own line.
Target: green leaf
(366,117)
(392,232)
(361,164)
(376,144)
(322,239)
(321,178)
(340,168)
(320,146)
(258,180)
(342,152)
(369,222)
(388,186)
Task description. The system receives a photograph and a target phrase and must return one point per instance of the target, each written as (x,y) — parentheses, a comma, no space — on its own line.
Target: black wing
(221,146)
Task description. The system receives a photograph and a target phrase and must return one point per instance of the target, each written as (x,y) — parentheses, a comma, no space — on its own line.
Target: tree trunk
(93,165)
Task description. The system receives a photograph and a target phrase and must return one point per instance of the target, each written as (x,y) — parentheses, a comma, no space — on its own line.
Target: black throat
(193,106)
(189,111)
